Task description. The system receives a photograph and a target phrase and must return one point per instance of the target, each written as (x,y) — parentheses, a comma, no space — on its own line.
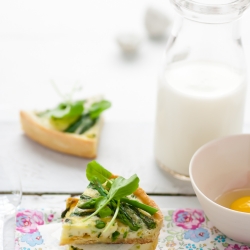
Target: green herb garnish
(75,116)
(113,200)
(88,118)
(96,171)
(97,108)
(66,110)
(105,211)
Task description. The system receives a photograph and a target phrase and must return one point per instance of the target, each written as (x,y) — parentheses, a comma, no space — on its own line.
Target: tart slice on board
(111,210)
(72,128)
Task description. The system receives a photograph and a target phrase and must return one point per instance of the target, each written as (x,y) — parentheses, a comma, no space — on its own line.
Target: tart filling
(112,210)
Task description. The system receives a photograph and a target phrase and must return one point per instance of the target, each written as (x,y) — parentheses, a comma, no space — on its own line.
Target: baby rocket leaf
(122,187)
(98,107)
(96,171)
(65,110)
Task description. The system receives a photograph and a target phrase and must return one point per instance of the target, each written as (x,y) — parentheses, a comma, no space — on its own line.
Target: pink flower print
(27,221)
(17,247)
(188,218)
(244,247)
(233,247)
(50,217)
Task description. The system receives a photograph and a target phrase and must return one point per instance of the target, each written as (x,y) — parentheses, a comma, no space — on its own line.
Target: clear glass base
(172,172)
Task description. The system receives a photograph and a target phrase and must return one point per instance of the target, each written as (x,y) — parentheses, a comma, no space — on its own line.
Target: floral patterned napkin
(187,229)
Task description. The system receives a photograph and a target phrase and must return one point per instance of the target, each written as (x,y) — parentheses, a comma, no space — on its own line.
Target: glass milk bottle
(202,84)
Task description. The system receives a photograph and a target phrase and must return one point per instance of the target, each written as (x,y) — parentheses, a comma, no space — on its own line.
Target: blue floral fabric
(184,229)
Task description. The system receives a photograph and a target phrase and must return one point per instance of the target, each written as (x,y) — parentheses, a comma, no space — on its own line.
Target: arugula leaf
(96,171)
(115,202)
(88,118)
(100,201)
(60,111)
(123,187)
(71,116)
(64,114)
(120,187)
(105,211)
(100,205)
(64,110)
(98,107)
(114,217)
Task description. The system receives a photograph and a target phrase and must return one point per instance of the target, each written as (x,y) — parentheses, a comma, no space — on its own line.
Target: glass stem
(1,231)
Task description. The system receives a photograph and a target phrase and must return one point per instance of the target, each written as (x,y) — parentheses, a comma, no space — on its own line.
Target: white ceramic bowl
(218,167)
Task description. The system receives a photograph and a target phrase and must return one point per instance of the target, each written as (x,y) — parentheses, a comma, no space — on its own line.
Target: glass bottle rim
(220,11)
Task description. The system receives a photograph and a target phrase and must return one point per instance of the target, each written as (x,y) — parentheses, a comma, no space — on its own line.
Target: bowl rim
(198,151)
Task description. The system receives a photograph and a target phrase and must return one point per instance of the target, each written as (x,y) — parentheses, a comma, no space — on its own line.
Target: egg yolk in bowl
(242,204)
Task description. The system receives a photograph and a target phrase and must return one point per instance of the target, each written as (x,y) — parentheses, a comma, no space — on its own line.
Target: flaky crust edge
(143,197)
(59,141)
(153,245)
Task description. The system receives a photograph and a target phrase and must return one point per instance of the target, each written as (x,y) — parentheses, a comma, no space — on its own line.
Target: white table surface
(45,171)
(75,41)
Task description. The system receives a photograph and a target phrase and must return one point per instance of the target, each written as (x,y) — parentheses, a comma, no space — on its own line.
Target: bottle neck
(207,11)
(195,41)
(207,32)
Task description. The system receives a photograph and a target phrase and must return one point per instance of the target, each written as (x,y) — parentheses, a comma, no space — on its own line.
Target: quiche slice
(129,216)
(71,128)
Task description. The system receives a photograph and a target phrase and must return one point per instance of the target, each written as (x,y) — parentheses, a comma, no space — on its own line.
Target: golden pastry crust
(150,246)
(68,143)
(87,239)
(154,244)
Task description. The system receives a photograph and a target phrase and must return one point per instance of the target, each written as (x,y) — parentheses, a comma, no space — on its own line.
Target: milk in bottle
(200,101)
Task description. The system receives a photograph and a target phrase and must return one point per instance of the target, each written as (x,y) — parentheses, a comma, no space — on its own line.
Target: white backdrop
(71,41)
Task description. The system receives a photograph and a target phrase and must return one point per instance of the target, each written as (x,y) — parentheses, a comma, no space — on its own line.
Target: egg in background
(238,199)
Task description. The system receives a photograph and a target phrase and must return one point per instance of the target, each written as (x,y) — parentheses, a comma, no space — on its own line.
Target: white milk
(197,102)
